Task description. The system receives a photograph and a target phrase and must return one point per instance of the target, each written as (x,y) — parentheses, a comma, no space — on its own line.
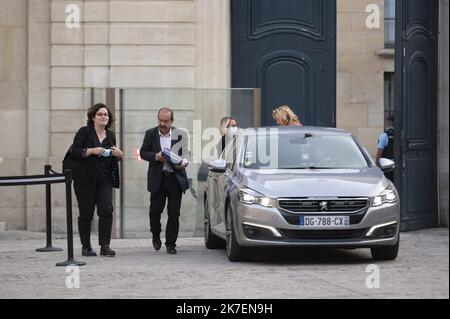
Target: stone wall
(119,44)
(13,108)
(360,72)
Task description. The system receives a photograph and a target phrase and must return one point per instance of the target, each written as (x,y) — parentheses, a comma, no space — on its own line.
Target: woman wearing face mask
(228,128)
(95,173)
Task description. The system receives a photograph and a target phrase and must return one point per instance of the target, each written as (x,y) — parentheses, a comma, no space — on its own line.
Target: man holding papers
(164,147)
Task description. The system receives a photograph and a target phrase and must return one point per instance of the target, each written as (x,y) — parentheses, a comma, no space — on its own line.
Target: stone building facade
(47,71)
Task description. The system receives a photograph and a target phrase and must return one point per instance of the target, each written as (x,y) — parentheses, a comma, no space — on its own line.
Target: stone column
(360,72)
(13,108)
(38,124)
(213,58)
(39,77)
(213,50)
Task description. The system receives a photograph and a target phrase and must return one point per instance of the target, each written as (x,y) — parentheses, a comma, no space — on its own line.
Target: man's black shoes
(105,250)
(88,252)
(171,250)
(156,243)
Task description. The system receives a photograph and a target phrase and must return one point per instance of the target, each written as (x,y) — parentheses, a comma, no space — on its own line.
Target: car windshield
(302,151)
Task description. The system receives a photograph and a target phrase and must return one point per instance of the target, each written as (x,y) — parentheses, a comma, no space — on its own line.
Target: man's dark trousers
(169,189)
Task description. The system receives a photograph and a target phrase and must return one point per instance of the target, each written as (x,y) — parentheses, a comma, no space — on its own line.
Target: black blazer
(151,146)
(84,167)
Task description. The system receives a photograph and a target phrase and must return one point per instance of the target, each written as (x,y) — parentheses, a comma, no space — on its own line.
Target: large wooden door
(416,111)
(288,49)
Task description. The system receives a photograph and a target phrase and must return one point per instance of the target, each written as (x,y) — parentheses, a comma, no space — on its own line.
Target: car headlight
(250,197)
(387,196)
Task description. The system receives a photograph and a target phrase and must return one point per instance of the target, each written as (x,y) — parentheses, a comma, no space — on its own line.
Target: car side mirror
(218,166)
(387,165)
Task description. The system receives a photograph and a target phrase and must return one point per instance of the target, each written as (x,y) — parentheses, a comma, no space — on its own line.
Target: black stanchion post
(70,259)
(48,214)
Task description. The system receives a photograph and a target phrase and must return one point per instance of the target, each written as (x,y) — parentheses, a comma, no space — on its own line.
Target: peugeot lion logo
(323,206)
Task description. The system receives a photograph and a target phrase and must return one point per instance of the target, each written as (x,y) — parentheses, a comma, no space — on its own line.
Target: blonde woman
(284,116)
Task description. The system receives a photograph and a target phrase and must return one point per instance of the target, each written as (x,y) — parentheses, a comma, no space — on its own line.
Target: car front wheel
(385,252)
(211,240)
(235,252)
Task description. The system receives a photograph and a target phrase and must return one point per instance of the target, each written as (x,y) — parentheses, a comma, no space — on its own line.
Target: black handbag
(115,174)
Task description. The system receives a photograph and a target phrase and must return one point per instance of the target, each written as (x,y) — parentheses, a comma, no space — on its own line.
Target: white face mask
(232,130)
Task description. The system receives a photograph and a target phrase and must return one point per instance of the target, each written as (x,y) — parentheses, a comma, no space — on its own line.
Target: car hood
(365,182)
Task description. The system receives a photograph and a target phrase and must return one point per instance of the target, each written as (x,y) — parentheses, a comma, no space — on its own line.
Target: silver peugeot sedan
(300,186)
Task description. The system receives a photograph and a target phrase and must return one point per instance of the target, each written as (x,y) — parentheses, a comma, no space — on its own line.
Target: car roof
(296,130)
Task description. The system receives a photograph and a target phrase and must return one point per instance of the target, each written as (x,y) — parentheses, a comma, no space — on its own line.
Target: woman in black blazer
(95,173)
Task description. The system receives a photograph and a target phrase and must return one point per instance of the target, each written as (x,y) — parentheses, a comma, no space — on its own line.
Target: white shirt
(166,143)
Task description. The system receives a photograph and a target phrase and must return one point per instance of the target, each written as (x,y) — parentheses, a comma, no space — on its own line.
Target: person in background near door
(284,116)
(95,173)
(386,145)
(228,128)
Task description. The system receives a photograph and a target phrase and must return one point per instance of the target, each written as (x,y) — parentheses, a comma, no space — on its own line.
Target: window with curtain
(389,23)
(389,94)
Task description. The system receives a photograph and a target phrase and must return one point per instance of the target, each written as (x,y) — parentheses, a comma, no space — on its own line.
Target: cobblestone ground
(421,271)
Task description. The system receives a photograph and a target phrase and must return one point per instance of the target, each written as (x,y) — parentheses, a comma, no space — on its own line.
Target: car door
(221,186)
(215,180)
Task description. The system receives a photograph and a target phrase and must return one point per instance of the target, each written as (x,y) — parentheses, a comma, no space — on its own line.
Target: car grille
(294,219)
(349,234)
(347,205)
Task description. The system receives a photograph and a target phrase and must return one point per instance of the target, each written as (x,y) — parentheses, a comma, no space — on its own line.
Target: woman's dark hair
(93,111)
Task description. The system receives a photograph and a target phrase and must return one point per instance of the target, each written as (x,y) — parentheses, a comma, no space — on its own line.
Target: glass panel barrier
(199,112)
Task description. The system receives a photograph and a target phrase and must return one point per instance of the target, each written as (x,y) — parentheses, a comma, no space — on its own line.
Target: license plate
(324,221)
